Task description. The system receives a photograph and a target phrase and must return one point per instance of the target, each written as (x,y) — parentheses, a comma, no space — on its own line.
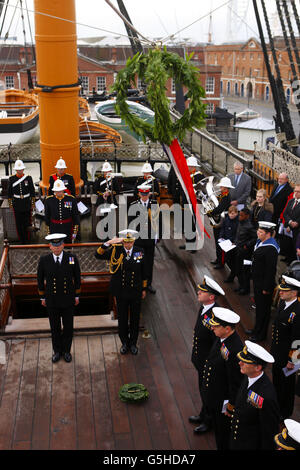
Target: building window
(236,89)
(85,84)
(228,88)
(267,93)
(209,110)
(210,85)
(242,89)
(173,87)
(221,87)
(9,81)
(101,84)
(288,96)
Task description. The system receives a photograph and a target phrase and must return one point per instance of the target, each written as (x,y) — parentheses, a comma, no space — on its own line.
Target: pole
(57,87)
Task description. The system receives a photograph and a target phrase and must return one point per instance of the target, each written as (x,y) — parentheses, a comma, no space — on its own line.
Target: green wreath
(133,393)
(154,68)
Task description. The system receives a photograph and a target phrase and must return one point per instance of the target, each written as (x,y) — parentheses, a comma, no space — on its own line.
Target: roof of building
(260,124)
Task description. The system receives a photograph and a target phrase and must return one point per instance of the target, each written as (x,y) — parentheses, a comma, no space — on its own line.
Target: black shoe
(151,289)
(68,357)
(229,279)
(237,289)
(181,247)
(243,292)
(56,357)
(201,429)
(214,262)
(219,266)
(133,349)
(249,332)
(195,419)
(192,251)
(124,349)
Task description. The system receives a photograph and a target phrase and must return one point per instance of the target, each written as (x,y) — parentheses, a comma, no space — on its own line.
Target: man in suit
(279,195)
(221,373)
(291,217)
(255,418)
(21,198)
(128,284)
(61,212)
(146,210)
(289,437)
(61,174)
(285,340)
(58,277)
(203,340)
(242,186)
(264,268)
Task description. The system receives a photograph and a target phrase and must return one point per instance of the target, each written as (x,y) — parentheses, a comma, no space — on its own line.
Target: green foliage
(133,393)
(154,69)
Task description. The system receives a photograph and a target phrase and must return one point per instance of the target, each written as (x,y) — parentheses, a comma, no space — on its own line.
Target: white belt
(22,196)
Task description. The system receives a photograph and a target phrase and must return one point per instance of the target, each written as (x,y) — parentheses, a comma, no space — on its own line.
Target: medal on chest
(255,400)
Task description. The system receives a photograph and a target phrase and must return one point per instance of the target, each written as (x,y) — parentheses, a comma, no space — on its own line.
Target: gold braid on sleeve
(114,263)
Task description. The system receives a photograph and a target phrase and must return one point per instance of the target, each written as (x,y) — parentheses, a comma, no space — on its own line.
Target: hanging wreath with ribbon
(154,69)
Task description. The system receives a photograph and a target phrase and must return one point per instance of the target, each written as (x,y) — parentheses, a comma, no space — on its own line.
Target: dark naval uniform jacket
(285,330)
(62,215)
(59,286)
(128,276)
(264,264)
(151,181)
(103,184)
(21,194)
(221,372)
(223,206)
(255,418)
(68,181)
(203,339)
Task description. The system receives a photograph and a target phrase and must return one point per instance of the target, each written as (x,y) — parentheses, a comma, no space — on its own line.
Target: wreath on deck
(154,69)
(133,393)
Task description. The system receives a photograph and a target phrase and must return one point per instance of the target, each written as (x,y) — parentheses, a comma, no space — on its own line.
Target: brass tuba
(209,200)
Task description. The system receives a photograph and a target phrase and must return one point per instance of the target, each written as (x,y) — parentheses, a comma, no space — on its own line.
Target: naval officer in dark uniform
(21,198)
(128,284)
(255,418)
(221,373)
(203,340)
(61,174)
(146,210)
(61,212)
(58,277)
(285,341)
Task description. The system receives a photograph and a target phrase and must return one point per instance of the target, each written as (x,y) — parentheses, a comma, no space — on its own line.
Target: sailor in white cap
(147,210)
(106,186)
(59,282)
(264,268)
(148,178)
(128,284)
(61,212)
(289,437)
(204,338)
(21,198)
(224,201)
(256,414)
(221,373)
(61,174)
(285,341)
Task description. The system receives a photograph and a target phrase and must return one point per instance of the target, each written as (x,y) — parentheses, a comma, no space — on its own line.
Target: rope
(296,14)
(286,10)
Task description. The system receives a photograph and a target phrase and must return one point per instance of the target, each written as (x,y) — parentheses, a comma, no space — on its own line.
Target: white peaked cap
(59,185)
(60,164)
(19,165)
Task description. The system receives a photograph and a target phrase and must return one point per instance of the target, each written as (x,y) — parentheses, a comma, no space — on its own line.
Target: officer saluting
(61,212)
(221,373)
(61,174)
(256,415)
(285,340)
(21,198)
(128,284)
(289,438)
(58,277)
(204,338)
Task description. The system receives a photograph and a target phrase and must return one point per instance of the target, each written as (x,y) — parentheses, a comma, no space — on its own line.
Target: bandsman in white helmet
(61,212)
(148,178)
(106,186)
(21,198)
(61,174)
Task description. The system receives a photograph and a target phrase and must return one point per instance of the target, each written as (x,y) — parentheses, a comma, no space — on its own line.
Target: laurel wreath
(154,69)
(133,393)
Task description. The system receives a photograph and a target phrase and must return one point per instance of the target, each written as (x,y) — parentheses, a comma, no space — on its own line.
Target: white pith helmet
(192,161)
(59,185)
(60,164)
(147,168)
(19,165)
(106,167)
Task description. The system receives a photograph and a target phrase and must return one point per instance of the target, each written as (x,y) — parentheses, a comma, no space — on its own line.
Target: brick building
(244,71)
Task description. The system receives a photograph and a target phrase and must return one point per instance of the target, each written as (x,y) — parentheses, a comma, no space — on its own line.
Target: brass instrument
(209,200)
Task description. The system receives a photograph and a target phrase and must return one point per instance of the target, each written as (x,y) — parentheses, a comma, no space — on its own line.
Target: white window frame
(101,83)
(85,83)
(9,81)
(210,109)
(210,85)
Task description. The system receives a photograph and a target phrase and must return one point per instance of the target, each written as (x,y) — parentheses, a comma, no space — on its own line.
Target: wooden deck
(75,406)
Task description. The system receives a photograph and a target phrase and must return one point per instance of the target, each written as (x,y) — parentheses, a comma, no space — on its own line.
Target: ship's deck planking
(75,406)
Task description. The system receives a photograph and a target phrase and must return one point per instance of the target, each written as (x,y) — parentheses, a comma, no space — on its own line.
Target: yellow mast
(56,57)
